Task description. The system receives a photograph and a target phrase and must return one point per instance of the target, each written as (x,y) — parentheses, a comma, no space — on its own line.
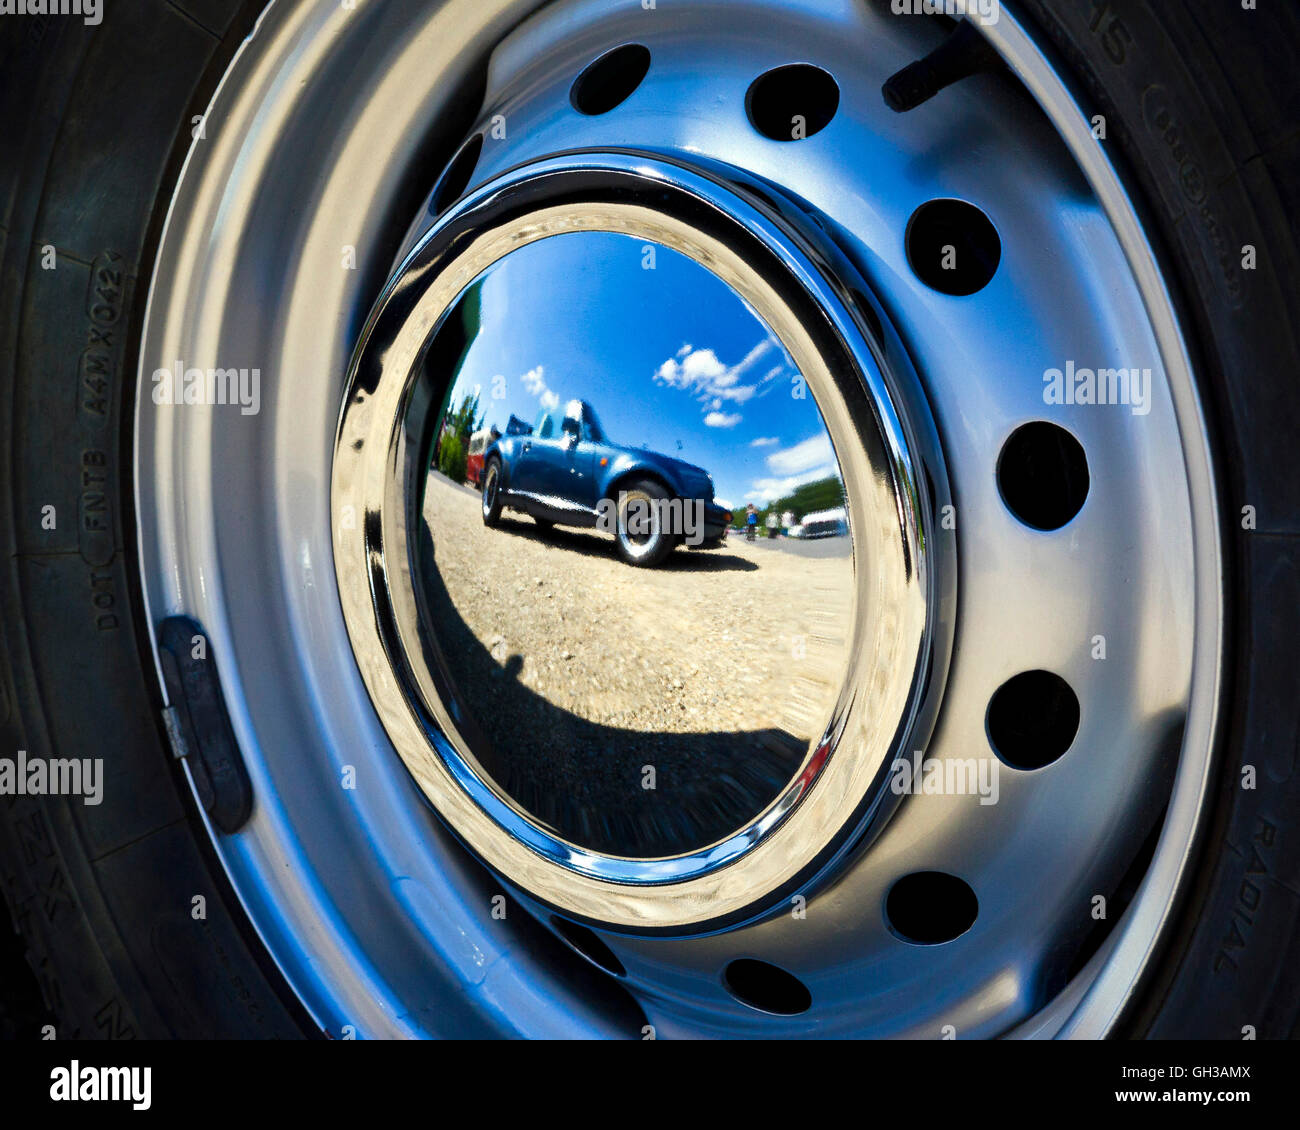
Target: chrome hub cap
(595,273)
(868,773)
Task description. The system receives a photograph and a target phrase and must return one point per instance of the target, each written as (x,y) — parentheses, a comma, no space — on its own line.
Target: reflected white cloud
(535,382)
(766,490)
(702,373)
(793,467)
(816,451)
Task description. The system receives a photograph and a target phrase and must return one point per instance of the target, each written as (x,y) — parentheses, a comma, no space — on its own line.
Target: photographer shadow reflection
(617,791)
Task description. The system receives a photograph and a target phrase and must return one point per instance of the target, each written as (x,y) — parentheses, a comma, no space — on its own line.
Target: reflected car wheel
(492,494)
(641,537)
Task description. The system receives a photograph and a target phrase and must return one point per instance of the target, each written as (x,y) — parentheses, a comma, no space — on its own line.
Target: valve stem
(965,52)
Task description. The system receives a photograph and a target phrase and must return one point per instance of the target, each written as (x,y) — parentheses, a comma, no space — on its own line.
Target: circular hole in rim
(793,102)
(1043,475)
(1032,719)
(952,247)
(766,987)
(610,80)
(457,176)
(928,908)
(590,944)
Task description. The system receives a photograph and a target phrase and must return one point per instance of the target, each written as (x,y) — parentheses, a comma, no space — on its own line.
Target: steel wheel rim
(353,991)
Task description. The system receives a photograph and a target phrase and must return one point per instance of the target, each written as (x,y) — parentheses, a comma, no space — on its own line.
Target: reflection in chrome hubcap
(732,701)
(655,713)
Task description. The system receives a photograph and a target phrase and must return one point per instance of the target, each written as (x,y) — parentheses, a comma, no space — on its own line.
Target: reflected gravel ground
(717,669)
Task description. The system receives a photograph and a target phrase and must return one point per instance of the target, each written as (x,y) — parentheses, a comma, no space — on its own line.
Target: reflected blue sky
(669,356)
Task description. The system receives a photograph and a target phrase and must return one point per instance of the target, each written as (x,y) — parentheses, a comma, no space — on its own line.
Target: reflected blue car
(566,471)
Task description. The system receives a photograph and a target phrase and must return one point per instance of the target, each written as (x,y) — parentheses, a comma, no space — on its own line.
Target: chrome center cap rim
(649,858)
